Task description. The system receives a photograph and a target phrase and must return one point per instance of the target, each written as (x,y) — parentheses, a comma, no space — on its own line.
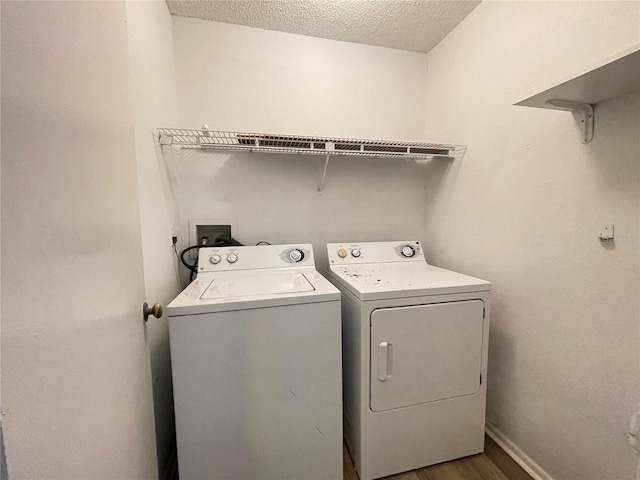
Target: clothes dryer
(415,341)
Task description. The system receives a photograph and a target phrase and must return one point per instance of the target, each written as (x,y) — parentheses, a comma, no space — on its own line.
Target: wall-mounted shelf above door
(306,145)
(613,77)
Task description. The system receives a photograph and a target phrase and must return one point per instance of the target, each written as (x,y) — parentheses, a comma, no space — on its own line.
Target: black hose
(193,268)
(224,240)
(221,240)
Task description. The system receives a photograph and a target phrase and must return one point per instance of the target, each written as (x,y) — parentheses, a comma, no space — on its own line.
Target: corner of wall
(527,463)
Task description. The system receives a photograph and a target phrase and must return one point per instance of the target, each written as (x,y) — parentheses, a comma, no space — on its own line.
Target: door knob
(156,310)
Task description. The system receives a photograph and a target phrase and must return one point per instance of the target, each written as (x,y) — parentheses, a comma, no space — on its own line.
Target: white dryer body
(415,342)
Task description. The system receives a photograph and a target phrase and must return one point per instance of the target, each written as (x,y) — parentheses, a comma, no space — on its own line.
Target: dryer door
(425,353)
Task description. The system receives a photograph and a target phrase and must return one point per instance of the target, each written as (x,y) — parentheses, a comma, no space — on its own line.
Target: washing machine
(415,341)
(256,361)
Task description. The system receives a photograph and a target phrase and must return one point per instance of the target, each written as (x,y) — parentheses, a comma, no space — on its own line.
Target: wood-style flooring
(493,464)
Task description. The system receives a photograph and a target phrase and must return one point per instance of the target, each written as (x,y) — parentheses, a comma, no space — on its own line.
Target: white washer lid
(379,281)
(280,288)
(272,283)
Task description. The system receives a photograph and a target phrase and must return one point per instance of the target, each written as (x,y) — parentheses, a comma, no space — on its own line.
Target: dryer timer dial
(408,251)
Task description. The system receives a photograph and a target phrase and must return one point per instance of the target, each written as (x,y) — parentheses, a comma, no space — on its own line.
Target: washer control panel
(374,252)
(218,259)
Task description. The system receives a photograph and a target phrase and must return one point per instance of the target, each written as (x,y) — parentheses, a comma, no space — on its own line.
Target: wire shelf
(273,143)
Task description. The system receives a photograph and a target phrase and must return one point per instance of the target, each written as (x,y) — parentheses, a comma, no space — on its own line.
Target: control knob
(215,258)
(232,258)
(296,255)
(342,253)
(408,251)
(355,253)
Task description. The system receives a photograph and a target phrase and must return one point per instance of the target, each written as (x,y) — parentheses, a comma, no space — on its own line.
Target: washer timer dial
(296,255)
(355,253)
(232,258)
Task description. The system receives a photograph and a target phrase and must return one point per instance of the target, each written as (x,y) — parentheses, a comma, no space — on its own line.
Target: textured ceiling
(416,25)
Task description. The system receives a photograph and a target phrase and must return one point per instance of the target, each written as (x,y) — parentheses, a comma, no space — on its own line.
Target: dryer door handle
(385,361)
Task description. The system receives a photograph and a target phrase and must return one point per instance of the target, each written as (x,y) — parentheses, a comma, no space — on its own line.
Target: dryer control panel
(374,252)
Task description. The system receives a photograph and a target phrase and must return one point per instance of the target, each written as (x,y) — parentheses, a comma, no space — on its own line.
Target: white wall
(75,369)
(524,210)
(239,78)
(150,41)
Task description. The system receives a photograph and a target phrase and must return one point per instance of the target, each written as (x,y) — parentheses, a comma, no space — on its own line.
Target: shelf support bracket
(164,139)
(585,114)
(324,173)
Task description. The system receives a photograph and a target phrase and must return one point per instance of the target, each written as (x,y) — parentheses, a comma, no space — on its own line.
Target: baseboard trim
(518,456)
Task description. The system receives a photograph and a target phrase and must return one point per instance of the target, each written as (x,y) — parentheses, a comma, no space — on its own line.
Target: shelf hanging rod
(324,172)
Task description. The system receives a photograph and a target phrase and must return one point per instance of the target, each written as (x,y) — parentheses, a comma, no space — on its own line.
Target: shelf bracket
(324,173)
(164,139)
(585,114)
